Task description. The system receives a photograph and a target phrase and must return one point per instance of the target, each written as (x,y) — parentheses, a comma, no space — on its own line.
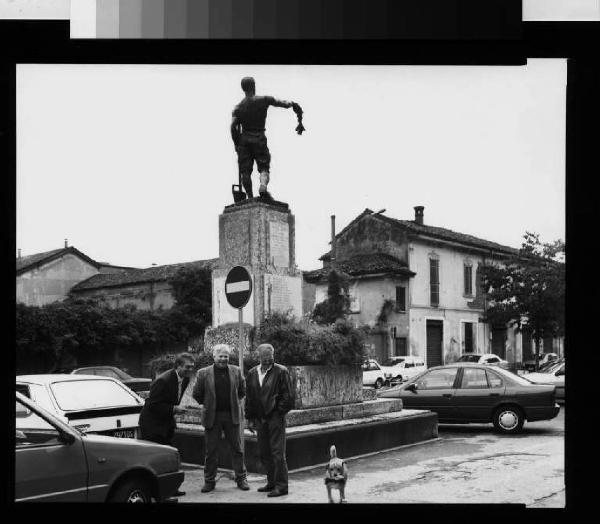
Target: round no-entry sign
(238,287)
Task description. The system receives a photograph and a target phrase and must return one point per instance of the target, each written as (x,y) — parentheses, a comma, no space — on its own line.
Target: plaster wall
(52,281)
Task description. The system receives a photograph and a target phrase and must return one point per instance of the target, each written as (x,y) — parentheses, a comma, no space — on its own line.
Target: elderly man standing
(219,388)
(269,398)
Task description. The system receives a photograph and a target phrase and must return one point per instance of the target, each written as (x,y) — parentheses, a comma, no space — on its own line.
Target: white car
(403,368)
(485,358)
(554,375)
(373,375)
(90,403)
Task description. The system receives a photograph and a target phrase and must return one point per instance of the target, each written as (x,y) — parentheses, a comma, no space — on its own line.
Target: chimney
(66,243)
(419,214)
(19,253)
(332,261)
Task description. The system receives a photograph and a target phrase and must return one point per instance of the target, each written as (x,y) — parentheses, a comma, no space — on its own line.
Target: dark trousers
(271,445)
(223,423)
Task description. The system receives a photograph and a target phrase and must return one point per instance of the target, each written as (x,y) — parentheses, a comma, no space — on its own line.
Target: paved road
(467,464)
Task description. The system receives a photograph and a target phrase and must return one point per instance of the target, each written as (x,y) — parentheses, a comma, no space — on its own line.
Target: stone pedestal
(260,236)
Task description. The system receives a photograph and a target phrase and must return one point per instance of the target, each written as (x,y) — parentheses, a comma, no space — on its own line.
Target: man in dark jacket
(157,419)
(219,388)
(269,397)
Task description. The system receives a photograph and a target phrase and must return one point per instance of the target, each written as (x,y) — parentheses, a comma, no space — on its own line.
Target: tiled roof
(357,265)
(432,231)
(37,259)
(137,276)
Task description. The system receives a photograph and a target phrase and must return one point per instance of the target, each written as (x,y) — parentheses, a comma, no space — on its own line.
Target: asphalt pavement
(466,464)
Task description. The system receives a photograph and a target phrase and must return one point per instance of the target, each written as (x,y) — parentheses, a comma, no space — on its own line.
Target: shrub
(301,343)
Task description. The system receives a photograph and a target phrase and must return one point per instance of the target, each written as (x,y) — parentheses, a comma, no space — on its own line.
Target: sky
(134,163)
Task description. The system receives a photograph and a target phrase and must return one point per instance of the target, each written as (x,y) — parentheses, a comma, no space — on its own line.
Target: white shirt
(261,375)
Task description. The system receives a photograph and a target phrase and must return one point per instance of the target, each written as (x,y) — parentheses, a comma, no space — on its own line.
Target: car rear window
(393,361)
(74,395)
(513,376)
(469,358)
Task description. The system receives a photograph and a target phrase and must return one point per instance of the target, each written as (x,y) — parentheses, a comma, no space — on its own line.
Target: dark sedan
(464,393)
(139,385)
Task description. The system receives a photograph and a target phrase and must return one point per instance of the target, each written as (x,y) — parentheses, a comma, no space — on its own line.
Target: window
(409,365)
(492,360)
(468,279)
(75,395)
(494,380)
(400,298)
(373,366)
(33,430)
(400,346)
(468,337)
(434,281)
(474,379)
(437,379)
(106,373)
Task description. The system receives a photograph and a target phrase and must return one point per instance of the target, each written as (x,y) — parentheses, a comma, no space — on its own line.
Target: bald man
(220,388)
(269,398)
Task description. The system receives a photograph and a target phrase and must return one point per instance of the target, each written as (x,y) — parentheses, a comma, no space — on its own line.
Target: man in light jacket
(219,388)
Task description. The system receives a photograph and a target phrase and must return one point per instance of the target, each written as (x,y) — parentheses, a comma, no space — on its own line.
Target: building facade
(48,277)
(418,288)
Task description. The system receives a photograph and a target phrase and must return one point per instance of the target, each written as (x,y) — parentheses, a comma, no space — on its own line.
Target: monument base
(308,444)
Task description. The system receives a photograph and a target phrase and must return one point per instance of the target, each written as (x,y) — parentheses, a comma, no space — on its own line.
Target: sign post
(238,288)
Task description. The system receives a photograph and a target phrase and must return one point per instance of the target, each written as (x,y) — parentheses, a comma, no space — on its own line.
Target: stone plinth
(317,386)
(261,237)
(308,444)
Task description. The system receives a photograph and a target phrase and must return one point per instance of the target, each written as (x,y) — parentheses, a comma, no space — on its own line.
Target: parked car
(545,359)
(140,385)
(92,404)
(403,368)
(373,375)
(485,358)
(54,462)
(554,374)
(465,392)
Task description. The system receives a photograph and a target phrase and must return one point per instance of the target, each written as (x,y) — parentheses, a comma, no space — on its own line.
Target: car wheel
(378,383)
(132,491)
(508,419)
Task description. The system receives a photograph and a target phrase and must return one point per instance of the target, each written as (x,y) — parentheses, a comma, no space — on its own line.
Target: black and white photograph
(291,283)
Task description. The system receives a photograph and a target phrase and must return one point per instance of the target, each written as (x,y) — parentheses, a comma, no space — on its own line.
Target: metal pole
(241,364)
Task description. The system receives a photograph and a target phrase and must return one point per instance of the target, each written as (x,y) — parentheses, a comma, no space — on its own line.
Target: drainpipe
(333,246)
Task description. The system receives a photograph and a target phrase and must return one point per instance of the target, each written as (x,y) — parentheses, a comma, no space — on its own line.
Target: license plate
(124,433)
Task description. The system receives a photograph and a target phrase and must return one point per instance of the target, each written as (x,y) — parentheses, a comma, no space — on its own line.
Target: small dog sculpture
(336,476)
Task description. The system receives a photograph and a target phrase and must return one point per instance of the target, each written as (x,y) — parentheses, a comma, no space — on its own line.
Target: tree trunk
(537,353)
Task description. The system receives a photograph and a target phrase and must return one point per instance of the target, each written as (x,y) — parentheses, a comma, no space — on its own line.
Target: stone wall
(317,386)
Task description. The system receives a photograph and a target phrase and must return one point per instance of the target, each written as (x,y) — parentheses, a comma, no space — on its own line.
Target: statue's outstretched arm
(297,109)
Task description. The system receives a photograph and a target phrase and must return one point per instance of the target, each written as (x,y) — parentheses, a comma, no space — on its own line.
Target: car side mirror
(66,438)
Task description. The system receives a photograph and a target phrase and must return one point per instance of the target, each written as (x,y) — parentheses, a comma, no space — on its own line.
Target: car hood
(127,452)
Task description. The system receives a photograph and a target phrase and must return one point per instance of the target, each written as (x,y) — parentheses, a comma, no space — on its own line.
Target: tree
(192,311)
(529,289)
(337,304)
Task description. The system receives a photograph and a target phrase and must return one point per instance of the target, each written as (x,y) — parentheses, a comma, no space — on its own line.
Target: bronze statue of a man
(248,134)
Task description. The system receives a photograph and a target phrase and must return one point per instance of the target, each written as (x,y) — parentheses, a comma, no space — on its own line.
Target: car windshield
(469,358)
(553,368)
(392,361)
(74,395)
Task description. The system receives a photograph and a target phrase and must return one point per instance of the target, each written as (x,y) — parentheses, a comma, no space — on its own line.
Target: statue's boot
(247,183)
(262,190)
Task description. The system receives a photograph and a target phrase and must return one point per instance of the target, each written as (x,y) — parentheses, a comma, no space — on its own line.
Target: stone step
(309,444)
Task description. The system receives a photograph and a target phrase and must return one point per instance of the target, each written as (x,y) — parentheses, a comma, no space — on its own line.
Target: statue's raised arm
(248,135)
